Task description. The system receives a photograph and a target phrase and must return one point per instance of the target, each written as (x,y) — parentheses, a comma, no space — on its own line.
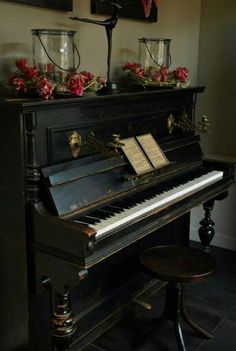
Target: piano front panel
(125,114)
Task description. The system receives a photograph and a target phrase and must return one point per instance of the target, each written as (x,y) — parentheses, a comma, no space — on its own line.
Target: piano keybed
(117,214)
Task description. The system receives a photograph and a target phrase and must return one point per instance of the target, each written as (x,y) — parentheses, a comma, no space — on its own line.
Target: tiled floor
(211,304)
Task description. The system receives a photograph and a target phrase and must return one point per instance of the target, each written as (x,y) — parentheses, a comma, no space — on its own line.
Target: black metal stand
(109,25)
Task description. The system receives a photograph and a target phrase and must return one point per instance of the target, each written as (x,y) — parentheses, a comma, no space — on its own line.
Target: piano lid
(77,184)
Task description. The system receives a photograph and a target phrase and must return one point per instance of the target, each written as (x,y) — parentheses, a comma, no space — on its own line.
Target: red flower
(87,76)
(164,71)
(31,72)
(181,74)
(76,84)
(50,68)
(139,72)
(18,84)
(132,66)
(44,88)
(156,76)
(21,64)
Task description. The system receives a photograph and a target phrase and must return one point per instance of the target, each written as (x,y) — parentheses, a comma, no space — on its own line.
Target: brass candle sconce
(93,145)
(186,124)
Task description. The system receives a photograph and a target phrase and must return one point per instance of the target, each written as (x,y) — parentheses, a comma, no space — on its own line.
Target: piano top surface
(37,103)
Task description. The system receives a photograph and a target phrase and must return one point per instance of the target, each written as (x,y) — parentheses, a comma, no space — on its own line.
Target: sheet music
(136,156)
(152,150)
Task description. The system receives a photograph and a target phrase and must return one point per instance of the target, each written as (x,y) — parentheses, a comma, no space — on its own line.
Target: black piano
(75,216)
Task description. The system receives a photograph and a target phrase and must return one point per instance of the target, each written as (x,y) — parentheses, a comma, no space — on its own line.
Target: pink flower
(76,84)
(139,72)
(181,74)
(18,84)
(156,76)
(164,71)
(132,66)
(21,64)
(44,88)
(87,76)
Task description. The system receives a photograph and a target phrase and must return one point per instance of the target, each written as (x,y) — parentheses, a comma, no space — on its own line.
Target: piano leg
(62,321)
(206,231)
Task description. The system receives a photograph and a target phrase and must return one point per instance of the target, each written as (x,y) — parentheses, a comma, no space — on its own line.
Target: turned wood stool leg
(173,310)
(190,322)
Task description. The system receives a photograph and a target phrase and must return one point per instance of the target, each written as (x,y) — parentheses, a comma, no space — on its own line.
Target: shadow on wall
(120,57)
(8,55)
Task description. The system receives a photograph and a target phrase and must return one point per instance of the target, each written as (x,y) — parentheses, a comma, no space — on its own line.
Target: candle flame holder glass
(54,52)
(154,52)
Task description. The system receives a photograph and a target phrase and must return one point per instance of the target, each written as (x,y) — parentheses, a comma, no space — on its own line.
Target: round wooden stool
(178,265)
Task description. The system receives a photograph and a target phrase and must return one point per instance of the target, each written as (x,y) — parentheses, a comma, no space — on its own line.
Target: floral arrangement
(28,80)
(134,74)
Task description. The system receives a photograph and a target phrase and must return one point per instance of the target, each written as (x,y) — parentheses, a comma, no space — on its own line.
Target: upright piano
(75,216)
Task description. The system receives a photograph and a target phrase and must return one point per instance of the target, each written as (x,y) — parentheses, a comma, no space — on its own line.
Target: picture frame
(62,5)
(133,11)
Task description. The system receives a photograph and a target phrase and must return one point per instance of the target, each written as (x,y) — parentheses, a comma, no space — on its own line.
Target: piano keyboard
(124,212)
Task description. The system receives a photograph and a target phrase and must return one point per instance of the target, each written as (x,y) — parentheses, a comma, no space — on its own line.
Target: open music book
(143,153)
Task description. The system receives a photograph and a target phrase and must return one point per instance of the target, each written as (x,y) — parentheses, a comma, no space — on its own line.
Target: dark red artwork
(137,9)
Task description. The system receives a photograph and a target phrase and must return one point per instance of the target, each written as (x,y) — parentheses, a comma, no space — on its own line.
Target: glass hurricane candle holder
(154,52)
(54,51)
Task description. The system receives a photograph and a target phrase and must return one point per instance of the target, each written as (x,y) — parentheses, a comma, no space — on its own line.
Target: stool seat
(178,263)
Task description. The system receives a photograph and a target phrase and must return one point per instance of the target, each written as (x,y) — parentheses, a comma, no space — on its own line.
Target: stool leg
(179,335)
(173,311)
(190,322)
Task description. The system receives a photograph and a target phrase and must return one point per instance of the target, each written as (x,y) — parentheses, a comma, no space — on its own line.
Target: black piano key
(114,209)
(100,214)
(88,220)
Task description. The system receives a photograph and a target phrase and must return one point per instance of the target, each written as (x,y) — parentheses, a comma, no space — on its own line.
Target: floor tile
(224,338)
(92,347)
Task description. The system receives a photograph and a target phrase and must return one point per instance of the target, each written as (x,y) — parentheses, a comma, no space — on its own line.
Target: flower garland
(28,80)
(134,74)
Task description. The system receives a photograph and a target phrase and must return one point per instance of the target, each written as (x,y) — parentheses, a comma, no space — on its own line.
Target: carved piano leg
(62,322)
(206,231)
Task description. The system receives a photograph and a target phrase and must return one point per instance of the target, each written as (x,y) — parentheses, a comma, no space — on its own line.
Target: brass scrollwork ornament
(75,142)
